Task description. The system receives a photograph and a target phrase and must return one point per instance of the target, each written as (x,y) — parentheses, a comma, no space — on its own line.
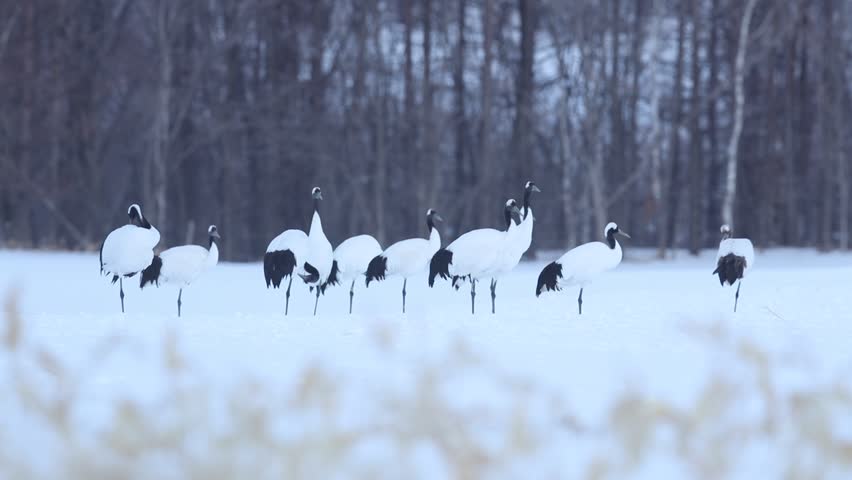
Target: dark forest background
(645,112)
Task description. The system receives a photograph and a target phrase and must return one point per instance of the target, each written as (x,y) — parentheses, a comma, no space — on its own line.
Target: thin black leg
(179,302)
(287,302)
(580,301)
(472,295)
(316,302)
(403,294)
(121,292)
(737,296)
(351,295)
(493,295)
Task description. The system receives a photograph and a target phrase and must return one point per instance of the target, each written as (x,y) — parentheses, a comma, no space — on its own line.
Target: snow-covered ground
(653,328)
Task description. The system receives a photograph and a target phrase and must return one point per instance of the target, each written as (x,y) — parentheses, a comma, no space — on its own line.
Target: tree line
(667,116)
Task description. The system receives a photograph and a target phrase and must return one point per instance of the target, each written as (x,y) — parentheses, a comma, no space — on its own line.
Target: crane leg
(405,281)
(179,302)
(493,295)
(472,295)
(121,292)
(287,302)
(316,302)
(580,301)
(351,295)
(737,295)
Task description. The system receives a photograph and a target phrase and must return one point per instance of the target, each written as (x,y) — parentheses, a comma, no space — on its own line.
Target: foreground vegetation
(253,430)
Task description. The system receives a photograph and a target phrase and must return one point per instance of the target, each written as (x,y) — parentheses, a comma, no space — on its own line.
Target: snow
(637,334)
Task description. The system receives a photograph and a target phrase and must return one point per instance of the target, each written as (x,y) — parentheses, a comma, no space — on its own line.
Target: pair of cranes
(129,250)
(580,265)
(477,255)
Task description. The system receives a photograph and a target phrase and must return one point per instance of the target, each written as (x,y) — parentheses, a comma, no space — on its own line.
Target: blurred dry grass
(251,435)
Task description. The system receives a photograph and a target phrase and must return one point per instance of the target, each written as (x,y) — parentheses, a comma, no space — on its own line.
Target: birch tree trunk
(666,237)
(739,104)
(427,168)
(524,93)
(696,138)
(487,164)
(162,122)
(568,218)
(465,177)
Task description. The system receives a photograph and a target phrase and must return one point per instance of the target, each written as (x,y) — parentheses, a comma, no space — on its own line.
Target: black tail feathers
(152,273)
(333,278)
(440,265)
(311,274)
(377,269)
(548,278)
(730,268)
(277,265)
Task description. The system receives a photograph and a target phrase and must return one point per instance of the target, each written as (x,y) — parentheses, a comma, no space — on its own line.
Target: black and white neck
(431,217)
(316,194)
(609,232)
(316,222)
(511,212)
(136,218)
(213,235)
(529,188)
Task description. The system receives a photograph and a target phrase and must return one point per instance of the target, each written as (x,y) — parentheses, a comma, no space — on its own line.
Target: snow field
(534,390)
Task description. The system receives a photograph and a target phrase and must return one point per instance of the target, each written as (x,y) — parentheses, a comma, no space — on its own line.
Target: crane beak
(438,217)
(536,189)
(516,215)
(623,233)
(215,235)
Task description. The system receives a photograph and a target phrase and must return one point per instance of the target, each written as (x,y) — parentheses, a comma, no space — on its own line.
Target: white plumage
(318,254)
(733,260)
(406,257)
(129,249)
(582,264)
(354,255)
(410,257)
(182,265)
(351,259)
(475,252)
(294,240)
(479,254)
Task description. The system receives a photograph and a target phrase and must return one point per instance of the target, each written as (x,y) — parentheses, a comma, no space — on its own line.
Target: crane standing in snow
(129,249)
(319,255)
(293,252)
(351,259)
(406,257)
(582,264)
(478,254)
(182,265)
(734,259)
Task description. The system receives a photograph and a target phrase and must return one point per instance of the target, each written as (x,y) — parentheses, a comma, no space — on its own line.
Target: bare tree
(228,112)
(739,105)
